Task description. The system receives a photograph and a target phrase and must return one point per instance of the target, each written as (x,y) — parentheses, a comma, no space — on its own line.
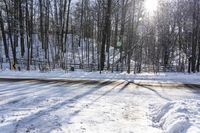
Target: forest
(101,35)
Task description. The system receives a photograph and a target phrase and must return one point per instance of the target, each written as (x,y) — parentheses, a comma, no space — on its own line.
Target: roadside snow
(81,75)
(177,116)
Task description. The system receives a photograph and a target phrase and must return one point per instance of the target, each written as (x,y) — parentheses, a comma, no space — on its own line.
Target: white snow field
(104,106)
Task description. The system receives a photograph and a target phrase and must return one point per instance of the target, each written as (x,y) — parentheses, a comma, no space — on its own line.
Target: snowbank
(177,116)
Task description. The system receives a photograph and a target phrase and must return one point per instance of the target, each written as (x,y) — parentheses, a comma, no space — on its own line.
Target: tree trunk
(194,36)
(21,21)
(4,36)
(105,33)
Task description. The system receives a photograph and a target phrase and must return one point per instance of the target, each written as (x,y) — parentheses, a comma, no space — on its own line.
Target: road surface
(58,106)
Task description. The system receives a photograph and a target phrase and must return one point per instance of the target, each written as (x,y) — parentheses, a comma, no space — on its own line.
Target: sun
(151,6)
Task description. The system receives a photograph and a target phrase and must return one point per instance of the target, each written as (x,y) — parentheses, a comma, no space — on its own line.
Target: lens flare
(151,6)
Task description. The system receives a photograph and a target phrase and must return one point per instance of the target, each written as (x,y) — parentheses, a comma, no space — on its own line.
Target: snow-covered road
(38,106)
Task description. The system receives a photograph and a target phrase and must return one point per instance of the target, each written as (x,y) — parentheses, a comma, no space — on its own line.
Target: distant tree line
(109,34)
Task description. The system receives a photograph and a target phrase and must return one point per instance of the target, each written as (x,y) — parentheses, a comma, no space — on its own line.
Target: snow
(75,108)
(177,116)
(149,77)
(107,102)
(88,106)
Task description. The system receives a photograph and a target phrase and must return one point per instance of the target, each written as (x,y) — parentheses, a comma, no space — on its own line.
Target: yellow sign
(14,66)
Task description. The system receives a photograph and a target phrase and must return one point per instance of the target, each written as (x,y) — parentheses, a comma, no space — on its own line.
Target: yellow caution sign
(14,66)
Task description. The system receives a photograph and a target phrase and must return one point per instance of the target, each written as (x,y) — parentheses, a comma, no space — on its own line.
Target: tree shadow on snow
(193,88)
(151,89)
(44,112)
